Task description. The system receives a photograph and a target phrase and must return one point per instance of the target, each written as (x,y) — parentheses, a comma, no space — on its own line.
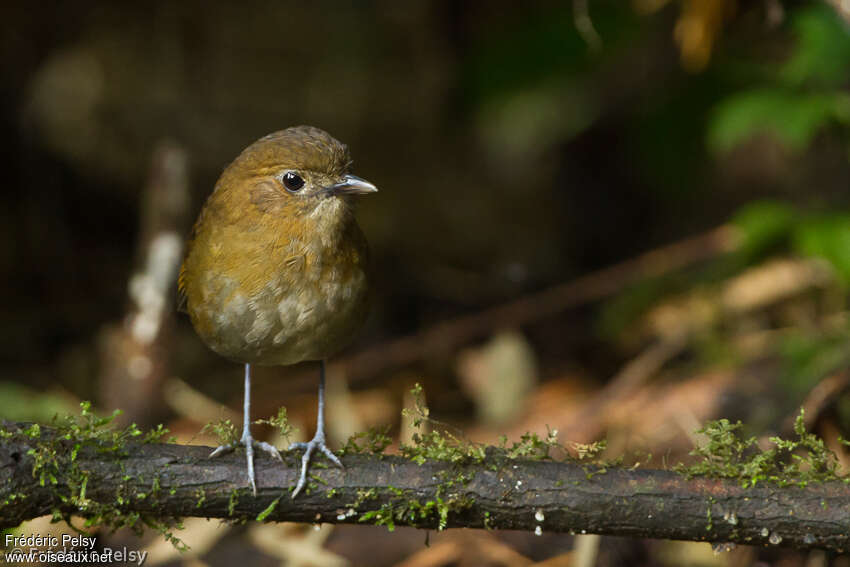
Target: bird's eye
(292,181)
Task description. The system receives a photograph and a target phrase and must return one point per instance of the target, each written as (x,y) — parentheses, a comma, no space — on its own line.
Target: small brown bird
(275,269)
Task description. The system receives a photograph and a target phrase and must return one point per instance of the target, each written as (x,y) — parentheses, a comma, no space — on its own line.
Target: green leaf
(21,403)
(809,357)
(828,238)
(822,51)
(793,117)
(763,225)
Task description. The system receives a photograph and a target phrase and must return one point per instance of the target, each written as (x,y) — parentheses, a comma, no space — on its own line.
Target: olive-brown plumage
(275,270)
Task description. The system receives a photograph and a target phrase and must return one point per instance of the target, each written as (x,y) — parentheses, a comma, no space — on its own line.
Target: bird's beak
(352,185)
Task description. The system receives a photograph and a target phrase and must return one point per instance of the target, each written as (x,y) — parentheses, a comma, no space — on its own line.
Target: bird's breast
(285,305)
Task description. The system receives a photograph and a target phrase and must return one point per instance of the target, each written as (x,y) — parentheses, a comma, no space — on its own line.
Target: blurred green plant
(793,117)
(801,96)
(826,237)
(766,229)
(536,90)
(20,403)
(808,357)
(823,48)
(766,226)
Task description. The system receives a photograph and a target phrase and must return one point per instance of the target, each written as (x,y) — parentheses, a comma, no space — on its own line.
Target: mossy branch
(43,472)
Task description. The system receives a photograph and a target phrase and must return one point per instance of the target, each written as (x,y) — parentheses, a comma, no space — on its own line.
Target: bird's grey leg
(247,441)
(318,441)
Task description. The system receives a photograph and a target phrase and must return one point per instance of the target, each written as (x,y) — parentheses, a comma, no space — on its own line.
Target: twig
(825,392)
(135,353)
(497,493)
(584,25)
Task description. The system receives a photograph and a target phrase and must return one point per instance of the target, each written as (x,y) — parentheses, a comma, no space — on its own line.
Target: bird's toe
(309,448)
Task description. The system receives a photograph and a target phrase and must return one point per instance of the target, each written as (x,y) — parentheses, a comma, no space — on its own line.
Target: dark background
(512,153)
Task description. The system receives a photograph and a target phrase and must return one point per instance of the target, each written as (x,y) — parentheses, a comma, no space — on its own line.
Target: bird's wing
(181,278)
(181,289)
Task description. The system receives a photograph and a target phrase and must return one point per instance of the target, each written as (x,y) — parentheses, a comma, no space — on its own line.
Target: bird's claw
(318,442)
(249,443)
(268,448)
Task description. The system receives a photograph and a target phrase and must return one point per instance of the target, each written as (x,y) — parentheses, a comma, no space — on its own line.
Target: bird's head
(296,172)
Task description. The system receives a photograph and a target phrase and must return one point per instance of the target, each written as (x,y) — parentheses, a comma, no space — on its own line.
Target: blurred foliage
(799,96)
(765,229)
(809,356)
(769,227)
(794,117)
(620,313)
(827,237)
(19,403)
(822,53)
(766,226)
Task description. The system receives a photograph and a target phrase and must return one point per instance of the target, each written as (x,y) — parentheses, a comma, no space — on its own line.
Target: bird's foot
(318,442)
(249,443)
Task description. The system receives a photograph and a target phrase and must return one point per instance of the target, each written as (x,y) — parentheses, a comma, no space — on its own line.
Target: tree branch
(164,480)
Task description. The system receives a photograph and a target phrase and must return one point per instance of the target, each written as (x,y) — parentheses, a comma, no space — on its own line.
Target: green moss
(12,498)
(364,495)
(371,442)
(412,511)
(280,422)
(224,430)
(158,435)
(530,446)
(55,456)
(439,444)
(269,509)
(590,451)
(727,454)
(201,497)
(708,513)
(404,506)
(155,487)
(487,521)
(436,445)
(232,502)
